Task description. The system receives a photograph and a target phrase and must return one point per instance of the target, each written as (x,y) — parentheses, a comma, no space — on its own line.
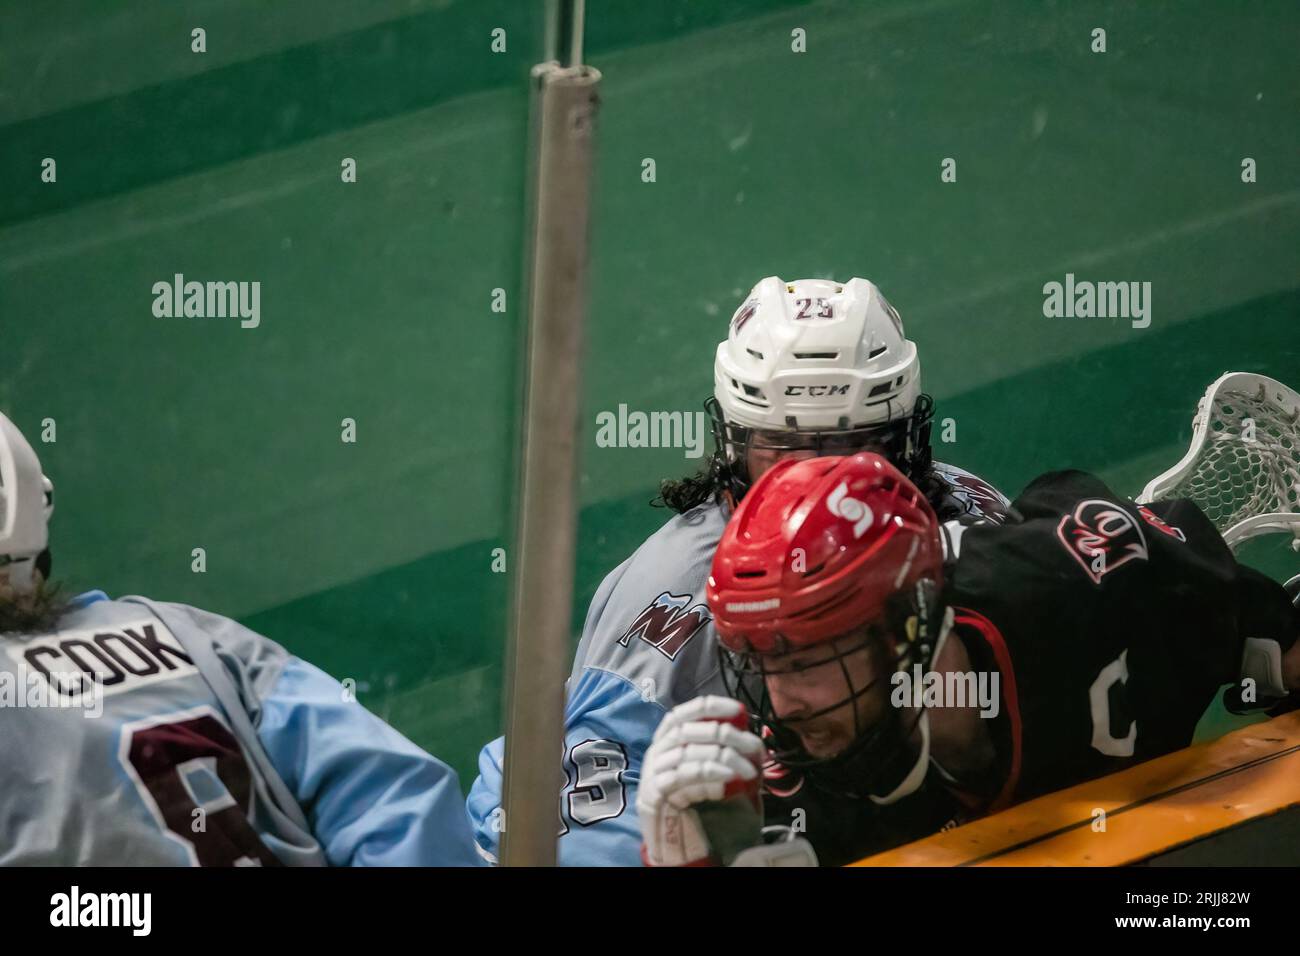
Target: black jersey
(843,829)
(1111,626)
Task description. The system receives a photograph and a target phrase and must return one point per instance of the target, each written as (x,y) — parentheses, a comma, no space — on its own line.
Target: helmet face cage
(913,620)
(745,674)
(905,443)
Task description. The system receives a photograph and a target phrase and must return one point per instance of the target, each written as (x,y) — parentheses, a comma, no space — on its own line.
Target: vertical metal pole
(565,20)
(564,111)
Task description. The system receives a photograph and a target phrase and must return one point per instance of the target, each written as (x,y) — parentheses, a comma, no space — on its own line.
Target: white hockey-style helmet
(26,503)
(822,366)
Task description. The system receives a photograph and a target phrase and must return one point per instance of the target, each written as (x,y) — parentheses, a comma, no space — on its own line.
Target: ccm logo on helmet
(817,390)
(842,506)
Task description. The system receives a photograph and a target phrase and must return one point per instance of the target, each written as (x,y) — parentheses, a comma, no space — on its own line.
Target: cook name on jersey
(69,664)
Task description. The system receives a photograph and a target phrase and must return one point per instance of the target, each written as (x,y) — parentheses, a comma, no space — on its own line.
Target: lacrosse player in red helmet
(891,674)
(809,367)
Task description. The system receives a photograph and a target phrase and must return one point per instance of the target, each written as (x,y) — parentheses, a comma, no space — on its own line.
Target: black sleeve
(1269,625)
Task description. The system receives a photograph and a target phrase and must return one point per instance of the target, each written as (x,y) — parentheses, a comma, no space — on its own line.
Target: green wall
(373,559)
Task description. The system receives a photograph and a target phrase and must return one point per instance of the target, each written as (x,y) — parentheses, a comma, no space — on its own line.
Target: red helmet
(817,548)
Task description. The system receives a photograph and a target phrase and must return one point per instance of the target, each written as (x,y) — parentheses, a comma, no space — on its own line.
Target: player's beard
(833,734)
(823,744)
(875,763)
(35,613)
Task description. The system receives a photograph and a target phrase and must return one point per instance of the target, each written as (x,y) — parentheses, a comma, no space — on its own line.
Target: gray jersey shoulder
(648,622)
(251,661)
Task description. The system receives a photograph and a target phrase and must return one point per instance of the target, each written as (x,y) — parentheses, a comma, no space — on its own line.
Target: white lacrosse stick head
(1243,466)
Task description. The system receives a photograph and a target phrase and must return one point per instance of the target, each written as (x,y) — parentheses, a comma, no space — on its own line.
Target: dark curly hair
(34,613)
(684,494)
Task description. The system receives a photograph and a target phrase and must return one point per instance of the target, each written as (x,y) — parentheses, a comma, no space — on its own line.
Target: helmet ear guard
(927,625)
(730,472)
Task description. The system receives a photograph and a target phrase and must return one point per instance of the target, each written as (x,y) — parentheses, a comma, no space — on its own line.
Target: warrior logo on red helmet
(1101,536)
(667,623)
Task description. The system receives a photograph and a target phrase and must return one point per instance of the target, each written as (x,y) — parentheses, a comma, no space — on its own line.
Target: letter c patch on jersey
(1101,536)
(667,623)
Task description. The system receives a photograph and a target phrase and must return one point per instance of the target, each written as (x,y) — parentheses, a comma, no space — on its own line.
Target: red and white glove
(701,752)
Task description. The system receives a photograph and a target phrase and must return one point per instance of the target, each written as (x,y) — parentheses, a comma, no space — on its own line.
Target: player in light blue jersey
(808,368)
(143,733)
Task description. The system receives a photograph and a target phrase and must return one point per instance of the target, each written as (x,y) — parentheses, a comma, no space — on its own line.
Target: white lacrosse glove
(700,753)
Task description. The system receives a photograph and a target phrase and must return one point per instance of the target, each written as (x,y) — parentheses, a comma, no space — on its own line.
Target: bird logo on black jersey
(1101,536)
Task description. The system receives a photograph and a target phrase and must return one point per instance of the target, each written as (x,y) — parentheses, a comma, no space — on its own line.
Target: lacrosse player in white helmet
(199,720)
(817,367)
(811,367)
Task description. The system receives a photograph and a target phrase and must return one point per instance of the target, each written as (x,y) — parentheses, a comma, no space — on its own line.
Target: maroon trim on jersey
(1011,699)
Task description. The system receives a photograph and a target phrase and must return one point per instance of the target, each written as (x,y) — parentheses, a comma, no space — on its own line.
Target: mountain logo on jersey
(1101,536)
(1160,524)
(973,490)
(668,623)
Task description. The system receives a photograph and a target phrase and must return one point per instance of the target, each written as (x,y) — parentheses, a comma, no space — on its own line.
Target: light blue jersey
(648,644)
(143,733)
